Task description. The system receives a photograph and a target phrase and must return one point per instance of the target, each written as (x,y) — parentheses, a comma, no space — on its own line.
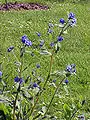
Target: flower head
(10,48)
(54,81)
(71,15)
(71,68)
(38,34)
(38,65)
(50,31)
(0,73)
(52,44)
(17,79)
(24,38)
(26,41)
(68,68)
(41,43)
(51,25)
(62,21)
(73,22)
(60,38)
(81,117)
(35,85)
(66,81)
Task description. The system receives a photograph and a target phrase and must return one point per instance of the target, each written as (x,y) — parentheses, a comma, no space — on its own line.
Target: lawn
(75,49)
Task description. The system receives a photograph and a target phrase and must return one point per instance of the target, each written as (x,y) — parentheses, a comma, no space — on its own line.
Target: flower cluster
(65,24)
(60,38)
(10,48)
(26,41)
(71,19)
(17,79)
(71,68)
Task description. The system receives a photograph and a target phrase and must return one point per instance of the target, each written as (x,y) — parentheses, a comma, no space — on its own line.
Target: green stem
(54,95)
(51,62)
(14,106)
(39,94)
(64,28)
(51,99)
(18,89)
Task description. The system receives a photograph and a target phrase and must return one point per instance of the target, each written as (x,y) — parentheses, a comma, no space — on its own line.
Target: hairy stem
(14,106)
(18,89)
(54,95)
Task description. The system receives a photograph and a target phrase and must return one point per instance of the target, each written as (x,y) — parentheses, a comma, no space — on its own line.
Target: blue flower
(0,73)
(71,68)
(41,43)
(66,81)
(71,15)
(62,21)
(73,22)
(52,44)
(38,34)
(21,80)
(54,81)
(50,25)
(26,41)
(35,85)
(24,38)
(68,68)
(73,65)
(38,65)
(81,117)
(60,38)
(10,48)
(50,31)
(17,79)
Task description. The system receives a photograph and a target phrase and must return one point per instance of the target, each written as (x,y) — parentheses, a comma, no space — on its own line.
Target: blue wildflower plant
(27,99)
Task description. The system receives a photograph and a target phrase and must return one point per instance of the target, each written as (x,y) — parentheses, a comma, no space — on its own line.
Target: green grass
(75,47)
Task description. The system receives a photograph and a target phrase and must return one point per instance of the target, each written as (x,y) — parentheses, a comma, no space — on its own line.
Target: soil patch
(23,6)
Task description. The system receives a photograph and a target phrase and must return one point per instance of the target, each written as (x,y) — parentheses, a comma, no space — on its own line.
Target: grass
(75,47)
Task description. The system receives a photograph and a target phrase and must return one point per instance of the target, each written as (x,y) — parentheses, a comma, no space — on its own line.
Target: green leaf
(65,32)
(58,73)
(67,109)
(57,47)
(30,118)
(50,37)
(4,108)
(79,105)
(45,52)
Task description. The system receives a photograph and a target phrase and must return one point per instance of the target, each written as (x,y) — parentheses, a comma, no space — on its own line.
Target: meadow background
(75,47)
